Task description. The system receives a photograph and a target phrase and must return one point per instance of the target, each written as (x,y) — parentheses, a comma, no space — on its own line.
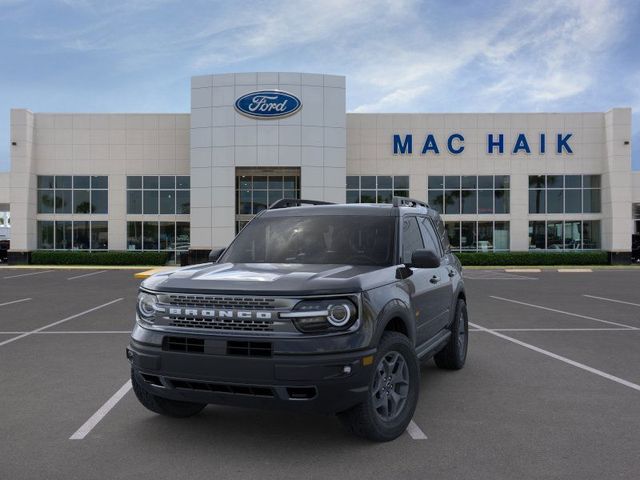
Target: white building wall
(313,139)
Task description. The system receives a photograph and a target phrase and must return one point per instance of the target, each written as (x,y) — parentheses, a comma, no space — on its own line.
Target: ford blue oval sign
(268,104)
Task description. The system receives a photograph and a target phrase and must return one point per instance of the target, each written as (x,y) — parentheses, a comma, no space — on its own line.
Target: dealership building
(174,182)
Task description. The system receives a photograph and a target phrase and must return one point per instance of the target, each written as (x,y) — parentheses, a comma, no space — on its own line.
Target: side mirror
(214,254)
(424,258)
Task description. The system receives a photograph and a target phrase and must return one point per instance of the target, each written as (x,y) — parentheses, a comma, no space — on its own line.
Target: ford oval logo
(268,104)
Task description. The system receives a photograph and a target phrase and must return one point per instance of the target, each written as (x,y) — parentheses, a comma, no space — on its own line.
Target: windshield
(340,239)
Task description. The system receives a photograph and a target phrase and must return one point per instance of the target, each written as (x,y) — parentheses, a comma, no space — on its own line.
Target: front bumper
(323,383)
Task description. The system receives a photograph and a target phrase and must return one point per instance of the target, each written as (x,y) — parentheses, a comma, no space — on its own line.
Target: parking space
(551,390)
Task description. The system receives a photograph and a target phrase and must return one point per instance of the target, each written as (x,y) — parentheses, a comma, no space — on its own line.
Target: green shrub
(533,258)
(110,257)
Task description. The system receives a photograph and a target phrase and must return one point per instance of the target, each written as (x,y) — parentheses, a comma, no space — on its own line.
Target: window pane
(353,196)
(244,202)
(452,201)
(485,181)
(150,205)
(537,181)
(572,235)
(81,237)
(368,182)
(591,200)
(274,195)
(64,235)
(503,181)
(244,181)
(555,201)
(401,193)
(536,201)
(182,236)
(501,236)
(353,182)
(469,182)
(385,196)
(536,235)
(291,194)
(45,235)
(572,181)
(555,181)
(167,235)
(45,201)
(469,198)
(591,234)
(63,181)
(401,182)
(259,199)
(45,181)
(99,236)
(134,235)
(167,202)
(183,181)
(99,201)
(183,201)
(468,237)
(573,201)
(385,182)
(485,201)
(81,182)
(150,236)
(502,201)
(291,183)
(100,182)
(368,196)
(453,232)
(411,238)
(485,236)
(81,203)
(555,236)
(63,201)
(134,182)
(150,182)
(435,183)
(134,202)
(275,183)
(452,182)
(260,183)
(591,181)
(435,200)
(167,182)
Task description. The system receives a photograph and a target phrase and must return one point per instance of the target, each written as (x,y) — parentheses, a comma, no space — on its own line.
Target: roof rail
(408,202)
(296,202)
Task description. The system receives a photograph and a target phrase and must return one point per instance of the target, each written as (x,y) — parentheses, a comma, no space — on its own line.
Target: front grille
(245,325)
(249,349)
(252,390)
(221,302)
(183,344)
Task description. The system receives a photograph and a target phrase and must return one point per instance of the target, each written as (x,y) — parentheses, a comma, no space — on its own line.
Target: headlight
(147,306)
(323,315)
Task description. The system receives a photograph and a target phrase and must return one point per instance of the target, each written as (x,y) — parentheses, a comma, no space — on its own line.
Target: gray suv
(313,307)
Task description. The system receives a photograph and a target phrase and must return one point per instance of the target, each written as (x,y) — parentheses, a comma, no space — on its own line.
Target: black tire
(454,355)
(164,406)
(365,420)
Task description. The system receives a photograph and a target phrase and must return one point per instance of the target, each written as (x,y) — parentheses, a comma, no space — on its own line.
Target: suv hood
(271,279)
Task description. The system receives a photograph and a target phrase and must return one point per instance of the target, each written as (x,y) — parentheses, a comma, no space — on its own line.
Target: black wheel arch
(396,317)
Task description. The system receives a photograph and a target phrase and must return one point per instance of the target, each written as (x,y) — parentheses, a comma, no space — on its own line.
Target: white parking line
(566,360)
(414,431)
(563,312)
(14,301)
(27,274)
(68,331)
(605,329)
(37,330)
(86,275)
(612,300)
(86,428)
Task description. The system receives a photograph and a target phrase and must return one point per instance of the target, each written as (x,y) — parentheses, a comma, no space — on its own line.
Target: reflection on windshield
(322,239)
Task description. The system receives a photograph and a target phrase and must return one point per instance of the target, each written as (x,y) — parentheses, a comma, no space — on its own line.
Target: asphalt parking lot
(551,390)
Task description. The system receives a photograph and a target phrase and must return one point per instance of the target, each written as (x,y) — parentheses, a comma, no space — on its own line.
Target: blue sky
(422,56)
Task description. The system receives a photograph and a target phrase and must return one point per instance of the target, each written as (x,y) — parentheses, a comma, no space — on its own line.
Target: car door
(422,285)
(445,273)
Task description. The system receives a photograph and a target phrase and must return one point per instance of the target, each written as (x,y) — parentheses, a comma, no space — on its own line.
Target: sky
(398,56)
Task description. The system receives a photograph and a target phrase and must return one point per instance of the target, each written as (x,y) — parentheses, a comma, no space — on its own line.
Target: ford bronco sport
(313,307)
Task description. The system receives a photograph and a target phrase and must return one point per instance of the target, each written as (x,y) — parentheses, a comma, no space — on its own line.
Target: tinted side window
(431,241)
(411,238)
(442,233)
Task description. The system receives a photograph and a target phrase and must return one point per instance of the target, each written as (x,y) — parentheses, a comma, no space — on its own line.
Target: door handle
(435,279)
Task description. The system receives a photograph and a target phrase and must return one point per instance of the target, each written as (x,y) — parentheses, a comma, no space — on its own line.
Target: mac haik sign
(495,143)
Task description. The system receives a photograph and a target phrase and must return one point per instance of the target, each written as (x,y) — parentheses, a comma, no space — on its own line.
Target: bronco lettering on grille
(209,313)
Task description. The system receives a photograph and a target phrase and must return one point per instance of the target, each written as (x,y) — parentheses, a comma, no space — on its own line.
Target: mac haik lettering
(495,143)
(268,104)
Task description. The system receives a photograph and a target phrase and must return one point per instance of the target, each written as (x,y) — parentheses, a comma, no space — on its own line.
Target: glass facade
(376,188)
(564,194)
(636,217)
(478,236)
(77,194)
(166,236)
(469,194)
(72,235)
(158,194)
(565,235)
